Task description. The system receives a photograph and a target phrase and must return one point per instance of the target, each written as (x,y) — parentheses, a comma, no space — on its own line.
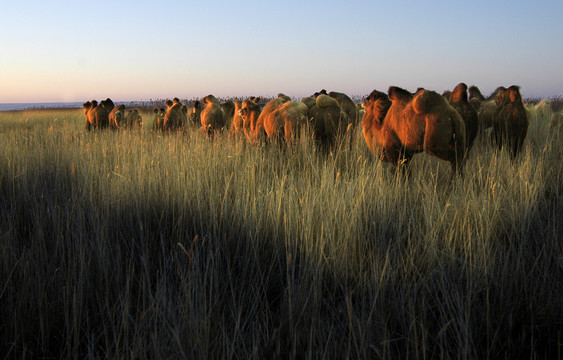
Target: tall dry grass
(135,244)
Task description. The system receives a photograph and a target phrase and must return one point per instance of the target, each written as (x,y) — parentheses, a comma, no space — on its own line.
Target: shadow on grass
(150,279)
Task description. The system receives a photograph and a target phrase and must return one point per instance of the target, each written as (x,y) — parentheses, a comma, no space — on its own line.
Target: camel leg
(446,144)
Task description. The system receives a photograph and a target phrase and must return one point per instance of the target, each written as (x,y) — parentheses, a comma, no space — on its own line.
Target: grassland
(135,244)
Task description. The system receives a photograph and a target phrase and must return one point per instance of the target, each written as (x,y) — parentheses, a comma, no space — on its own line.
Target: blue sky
(138,50)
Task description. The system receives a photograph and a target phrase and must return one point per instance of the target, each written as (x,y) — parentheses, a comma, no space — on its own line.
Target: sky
(141,50)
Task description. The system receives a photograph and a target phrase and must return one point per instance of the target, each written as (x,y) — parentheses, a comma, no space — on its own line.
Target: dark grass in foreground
(142,245)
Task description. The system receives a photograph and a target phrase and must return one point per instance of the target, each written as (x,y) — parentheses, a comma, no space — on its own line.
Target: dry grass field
(138,244)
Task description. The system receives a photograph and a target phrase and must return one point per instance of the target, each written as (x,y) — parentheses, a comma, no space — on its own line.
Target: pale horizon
(137,51)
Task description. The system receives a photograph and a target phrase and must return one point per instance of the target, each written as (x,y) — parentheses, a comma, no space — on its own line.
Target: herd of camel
(396,125)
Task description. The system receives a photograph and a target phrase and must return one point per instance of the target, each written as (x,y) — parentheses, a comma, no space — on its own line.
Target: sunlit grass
(148,245)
